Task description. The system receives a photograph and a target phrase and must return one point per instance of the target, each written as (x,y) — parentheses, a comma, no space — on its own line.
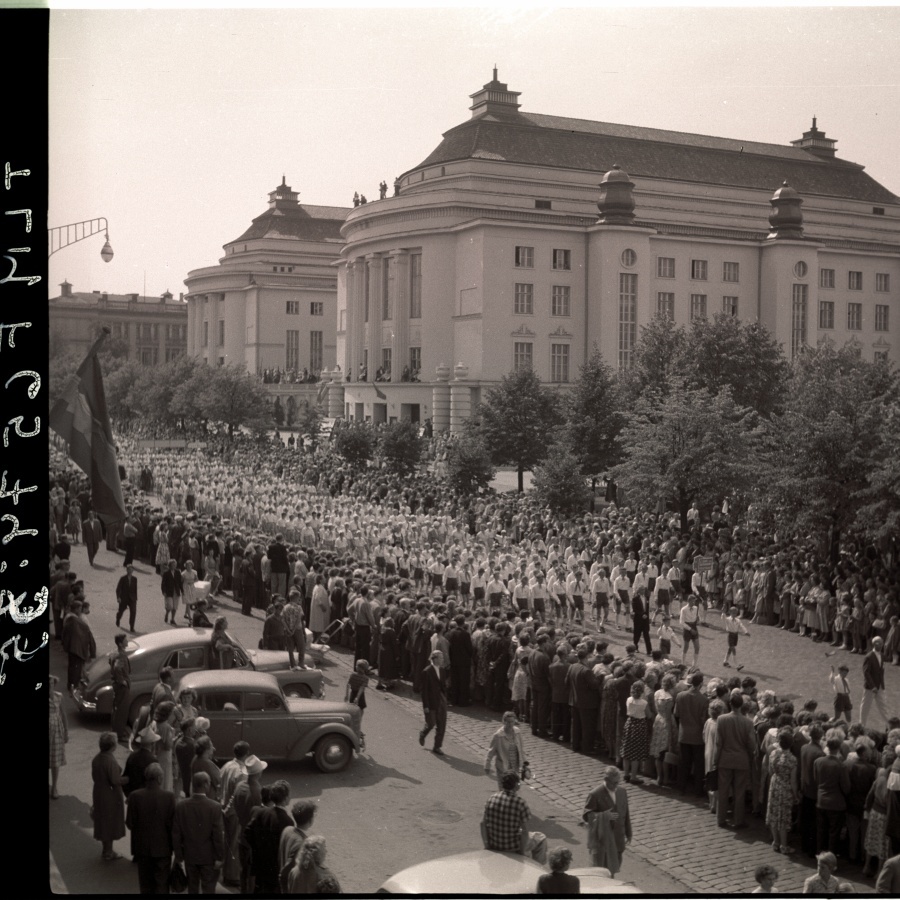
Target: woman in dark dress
(108,797)
(388,656)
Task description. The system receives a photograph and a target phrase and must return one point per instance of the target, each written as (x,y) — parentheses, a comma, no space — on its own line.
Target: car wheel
(136,705)
(304,691)
(333,753)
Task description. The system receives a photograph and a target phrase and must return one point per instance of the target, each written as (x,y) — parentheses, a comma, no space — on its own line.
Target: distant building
(525,240)
(154,328)
(271,301)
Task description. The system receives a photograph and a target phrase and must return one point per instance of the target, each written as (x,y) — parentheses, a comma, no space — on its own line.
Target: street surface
(407,805)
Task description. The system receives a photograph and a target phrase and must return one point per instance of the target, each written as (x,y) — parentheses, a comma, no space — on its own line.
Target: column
(400,297)
(212,314)
(373,332)
(460,399)
(358,336)
(440,399)
(350,323)
(335,395)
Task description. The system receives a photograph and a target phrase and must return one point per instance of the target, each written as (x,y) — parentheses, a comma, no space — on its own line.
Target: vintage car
(488,872)
(186,650)
(252,707)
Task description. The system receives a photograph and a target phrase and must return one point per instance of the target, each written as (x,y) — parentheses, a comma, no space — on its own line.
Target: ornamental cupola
(495,97)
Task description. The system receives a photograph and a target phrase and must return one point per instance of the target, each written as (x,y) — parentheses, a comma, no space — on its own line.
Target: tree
(278,412)
(517,421)
(233,397)
(309,423)
(355,441)
(827,443)
(686,445)
(659,354)
(469,466)
(594,417)
(559,481)
(724,352)
(399,446)
(878,515)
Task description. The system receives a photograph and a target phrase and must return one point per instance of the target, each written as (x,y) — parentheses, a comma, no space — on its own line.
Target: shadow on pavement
(463,765)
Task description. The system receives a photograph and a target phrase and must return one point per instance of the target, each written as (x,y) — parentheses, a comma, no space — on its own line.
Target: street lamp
(63,235)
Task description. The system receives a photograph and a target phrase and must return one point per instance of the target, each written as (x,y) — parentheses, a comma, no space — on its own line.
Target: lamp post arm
(63,235)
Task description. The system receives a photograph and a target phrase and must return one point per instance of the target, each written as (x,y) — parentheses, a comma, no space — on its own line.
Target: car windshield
(236,642)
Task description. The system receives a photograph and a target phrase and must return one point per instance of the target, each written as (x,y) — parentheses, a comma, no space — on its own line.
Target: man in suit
(434,702)
(539,669)
(690,714)
(809,753)
(263,836)
(889,877)
(585,703)
(736,749)
(198,836)
(873,682)
(150,817)
(281,567)
(461,653)
(78,641)
(641,618)
(609,821)
(91,534)
(832,780)
(127,595)
(560,715)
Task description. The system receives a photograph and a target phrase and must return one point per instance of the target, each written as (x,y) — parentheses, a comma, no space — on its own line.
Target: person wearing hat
(434,702)
(127,595)
(141,756)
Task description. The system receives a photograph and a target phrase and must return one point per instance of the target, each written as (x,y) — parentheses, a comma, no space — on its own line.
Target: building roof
(557,142)
(88,299)
(301,222)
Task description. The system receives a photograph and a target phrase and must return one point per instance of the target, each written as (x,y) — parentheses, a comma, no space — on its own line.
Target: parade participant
(841,687)
(733,626)
(690,633)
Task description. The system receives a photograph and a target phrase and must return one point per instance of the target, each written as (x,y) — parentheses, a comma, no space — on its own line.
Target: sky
(176,124)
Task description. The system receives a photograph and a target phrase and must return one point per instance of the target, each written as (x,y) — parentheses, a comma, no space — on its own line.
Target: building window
(386,360)
(206,334)
(292,349)
(881,317)
(826,314)
(665,305)
(543,204)
(562,259)
(629,258)
(731,271)
(854,281)
(221,325)
(524,257)
(559,362)
(415,360)
(730,306)
(415,286)
(881,356)
(665,266)
(149,356)
(800,295)
(698,306)
(854,316)
(387,311)
(826,278)
(173,353)
(523,354)
(698,269)
(882,282)
(627,319)
(220,361)
(559,303)
(317,308)
(800,269)
(524,302)
(292,307)
(315,350)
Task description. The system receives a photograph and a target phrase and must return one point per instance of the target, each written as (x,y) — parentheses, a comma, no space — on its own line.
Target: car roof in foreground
(230,678)
(472,872)
(177,637)
(596,881)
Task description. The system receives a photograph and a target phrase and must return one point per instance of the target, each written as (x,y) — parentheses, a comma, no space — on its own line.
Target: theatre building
(270,302)
(527,239)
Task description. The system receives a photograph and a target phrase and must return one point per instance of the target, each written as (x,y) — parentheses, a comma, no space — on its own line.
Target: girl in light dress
(662,738)
(188,580)
(520,686)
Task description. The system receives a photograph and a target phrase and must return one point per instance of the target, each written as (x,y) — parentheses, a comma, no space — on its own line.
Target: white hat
(254,765)
(148,736)
(201,723)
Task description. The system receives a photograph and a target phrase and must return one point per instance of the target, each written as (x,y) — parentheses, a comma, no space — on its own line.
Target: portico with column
(399,285)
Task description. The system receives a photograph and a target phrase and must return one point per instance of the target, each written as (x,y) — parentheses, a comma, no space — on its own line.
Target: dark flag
(80,418)
(379,393)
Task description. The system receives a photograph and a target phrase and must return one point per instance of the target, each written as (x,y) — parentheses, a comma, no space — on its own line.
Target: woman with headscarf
(108,810)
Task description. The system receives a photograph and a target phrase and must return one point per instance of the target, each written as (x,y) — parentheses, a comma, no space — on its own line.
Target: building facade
(526,240)
(154,328)
(270,302)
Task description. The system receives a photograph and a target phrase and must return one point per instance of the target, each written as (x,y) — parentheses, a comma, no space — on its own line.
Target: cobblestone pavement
(676,834)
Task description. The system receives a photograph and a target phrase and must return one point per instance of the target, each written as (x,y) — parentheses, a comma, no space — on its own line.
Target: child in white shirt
(733,627)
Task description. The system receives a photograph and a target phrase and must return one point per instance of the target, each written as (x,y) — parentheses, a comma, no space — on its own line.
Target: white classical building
(270,302)
(526,239)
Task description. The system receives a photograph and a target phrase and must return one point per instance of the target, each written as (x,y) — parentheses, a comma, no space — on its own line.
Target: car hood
(598,881)
(474,872)
(320,708)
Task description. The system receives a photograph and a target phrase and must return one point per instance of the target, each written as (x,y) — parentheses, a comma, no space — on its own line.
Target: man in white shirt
(600,588)
(622,594)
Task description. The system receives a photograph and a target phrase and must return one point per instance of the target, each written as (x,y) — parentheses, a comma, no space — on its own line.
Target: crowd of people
(514,607)
(288,375)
